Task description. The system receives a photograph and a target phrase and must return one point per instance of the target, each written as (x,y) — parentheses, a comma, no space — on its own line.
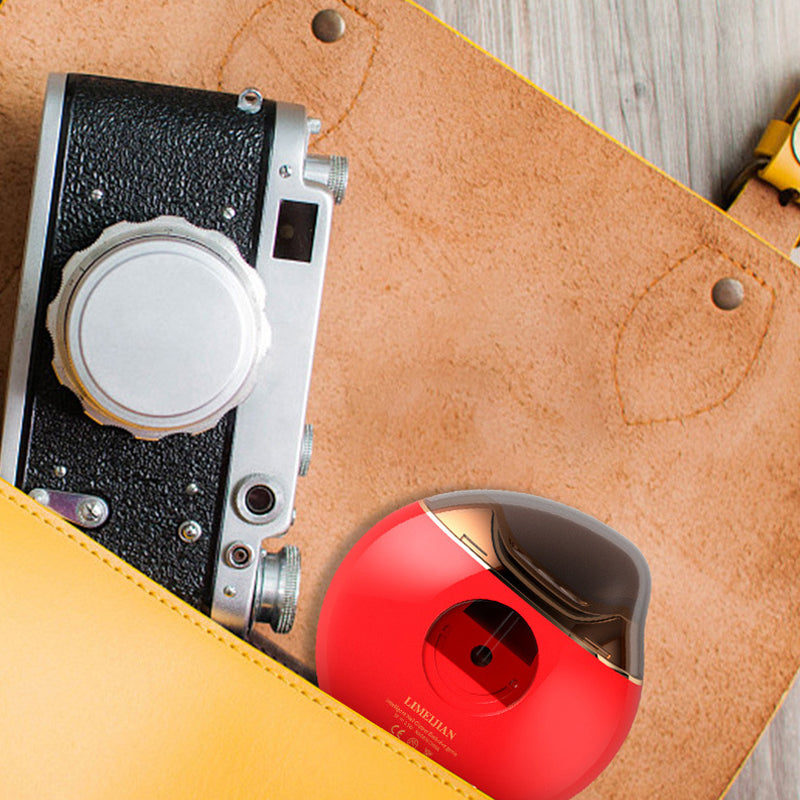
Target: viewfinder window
(294,236)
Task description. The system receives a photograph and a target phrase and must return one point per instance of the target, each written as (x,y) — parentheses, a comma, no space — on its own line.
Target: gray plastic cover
(585,577)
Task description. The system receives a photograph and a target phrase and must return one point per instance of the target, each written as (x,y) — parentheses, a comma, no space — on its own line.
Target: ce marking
(398,731)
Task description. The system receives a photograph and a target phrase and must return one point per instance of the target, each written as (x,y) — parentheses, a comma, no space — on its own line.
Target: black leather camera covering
(153,150)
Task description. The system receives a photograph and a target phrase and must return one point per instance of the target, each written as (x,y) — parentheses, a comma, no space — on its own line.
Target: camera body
(165,332)
(500,634)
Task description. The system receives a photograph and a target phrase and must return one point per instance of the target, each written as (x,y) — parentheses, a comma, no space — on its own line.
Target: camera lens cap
(159,327)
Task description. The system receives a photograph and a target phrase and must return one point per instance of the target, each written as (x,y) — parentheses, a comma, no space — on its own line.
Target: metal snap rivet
(727,294)
(328,26)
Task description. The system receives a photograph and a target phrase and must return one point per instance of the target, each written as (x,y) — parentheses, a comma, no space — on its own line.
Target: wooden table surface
(689,85)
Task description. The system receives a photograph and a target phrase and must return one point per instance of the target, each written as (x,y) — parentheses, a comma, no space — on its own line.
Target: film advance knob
(159,327)
(277,588)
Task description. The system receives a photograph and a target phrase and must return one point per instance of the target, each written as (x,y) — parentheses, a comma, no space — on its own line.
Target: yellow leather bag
(111,687)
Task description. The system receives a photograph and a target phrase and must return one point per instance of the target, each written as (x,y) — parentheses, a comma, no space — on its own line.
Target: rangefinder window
(294,237)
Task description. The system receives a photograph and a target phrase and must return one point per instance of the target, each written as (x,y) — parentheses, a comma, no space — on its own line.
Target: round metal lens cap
(159,327)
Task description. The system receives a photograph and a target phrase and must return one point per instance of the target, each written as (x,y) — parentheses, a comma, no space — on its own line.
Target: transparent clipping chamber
(583,576)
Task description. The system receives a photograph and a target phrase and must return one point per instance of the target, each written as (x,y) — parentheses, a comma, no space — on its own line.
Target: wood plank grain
(689,86)
(686,85)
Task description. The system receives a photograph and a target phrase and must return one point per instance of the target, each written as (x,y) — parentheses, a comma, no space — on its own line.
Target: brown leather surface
(757,207)
(512,301)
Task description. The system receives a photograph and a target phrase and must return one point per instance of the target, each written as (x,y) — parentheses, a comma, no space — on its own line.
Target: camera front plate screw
(97,195)
(229,591)
(250,101)
(59,471)
(190,531)
(285,171)
(228,212)
(192,489)
(91,511)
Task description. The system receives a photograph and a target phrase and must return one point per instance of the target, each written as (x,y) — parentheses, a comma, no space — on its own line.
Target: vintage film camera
(165,332)
(500,634)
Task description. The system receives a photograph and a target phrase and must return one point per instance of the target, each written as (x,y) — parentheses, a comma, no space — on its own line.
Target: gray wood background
(689,85)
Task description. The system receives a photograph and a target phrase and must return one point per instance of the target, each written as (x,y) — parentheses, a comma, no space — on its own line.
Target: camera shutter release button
(159,327)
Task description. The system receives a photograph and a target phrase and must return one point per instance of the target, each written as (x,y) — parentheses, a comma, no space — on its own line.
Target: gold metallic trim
(472,537)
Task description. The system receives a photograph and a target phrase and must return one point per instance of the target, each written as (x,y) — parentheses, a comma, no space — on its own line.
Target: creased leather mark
(221,637)
(625,412)
(367,71)
(356,95)
(226,56)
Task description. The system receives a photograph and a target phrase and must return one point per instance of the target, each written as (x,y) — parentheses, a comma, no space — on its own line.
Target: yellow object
(780,145)
(110,687)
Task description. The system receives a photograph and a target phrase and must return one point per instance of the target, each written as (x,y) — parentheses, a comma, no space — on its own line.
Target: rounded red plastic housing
(448,630)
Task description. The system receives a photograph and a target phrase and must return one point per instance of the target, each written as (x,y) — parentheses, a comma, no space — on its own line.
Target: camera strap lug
(84,510)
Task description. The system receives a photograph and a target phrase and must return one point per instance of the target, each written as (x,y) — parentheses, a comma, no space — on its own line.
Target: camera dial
(159,327)
(277,588)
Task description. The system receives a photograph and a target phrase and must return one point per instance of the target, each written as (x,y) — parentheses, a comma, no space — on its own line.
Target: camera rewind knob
(159,327)
(277,588)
